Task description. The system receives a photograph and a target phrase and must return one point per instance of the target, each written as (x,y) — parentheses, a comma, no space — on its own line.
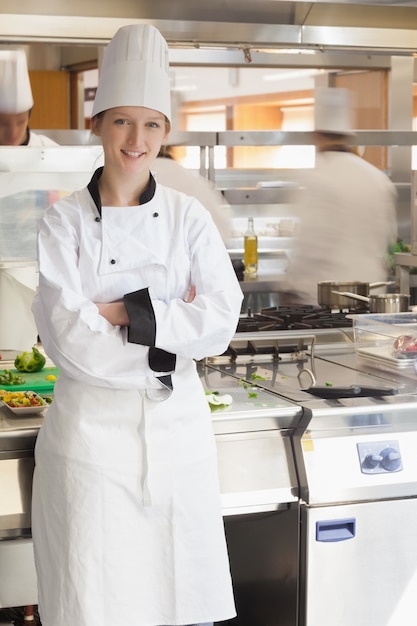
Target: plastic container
(375,337)
(381,328)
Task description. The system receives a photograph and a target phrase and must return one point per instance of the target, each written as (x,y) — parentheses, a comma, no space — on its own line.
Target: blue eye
(121,121)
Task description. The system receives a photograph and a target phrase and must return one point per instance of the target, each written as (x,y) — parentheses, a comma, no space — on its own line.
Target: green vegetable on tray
(30,361)
(217,401)
(8,378)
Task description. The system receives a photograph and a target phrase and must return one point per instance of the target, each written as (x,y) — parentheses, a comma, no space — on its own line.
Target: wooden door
(51,95)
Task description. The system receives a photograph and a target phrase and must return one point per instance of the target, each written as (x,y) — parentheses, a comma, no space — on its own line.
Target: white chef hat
(15,90)
(135,71)
(333,110)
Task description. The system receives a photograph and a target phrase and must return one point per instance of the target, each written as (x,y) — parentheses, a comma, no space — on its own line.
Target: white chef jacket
(347,219)
(126,514)
(40,140)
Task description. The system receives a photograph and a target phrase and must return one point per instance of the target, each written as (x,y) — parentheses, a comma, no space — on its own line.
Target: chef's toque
(135,71)
(15,90)
(333,110)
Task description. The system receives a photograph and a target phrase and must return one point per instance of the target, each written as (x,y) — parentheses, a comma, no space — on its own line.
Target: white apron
(127,522)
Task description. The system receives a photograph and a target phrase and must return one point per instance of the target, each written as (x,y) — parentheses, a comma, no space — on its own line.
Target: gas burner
(250,349)
(262,347)
(322,319)
(293,318)
(260,322)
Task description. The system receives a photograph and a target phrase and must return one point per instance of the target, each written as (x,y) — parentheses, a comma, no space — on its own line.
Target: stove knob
(372,460)
(391,459)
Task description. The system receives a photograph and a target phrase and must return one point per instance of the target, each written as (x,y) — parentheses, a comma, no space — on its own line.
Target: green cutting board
(35,381)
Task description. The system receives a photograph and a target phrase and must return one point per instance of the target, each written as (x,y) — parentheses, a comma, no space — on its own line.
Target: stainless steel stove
(356,466)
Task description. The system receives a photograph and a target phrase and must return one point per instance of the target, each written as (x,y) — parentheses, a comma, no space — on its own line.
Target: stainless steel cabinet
(366,577)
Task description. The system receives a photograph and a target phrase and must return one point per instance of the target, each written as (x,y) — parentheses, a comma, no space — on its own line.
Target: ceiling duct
(376,26)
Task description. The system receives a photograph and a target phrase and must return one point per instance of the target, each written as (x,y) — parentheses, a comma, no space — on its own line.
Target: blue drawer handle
(336,530)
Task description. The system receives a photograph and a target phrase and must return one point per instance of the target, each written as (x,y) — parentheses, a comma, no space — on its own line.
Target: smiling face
(131,138)
(13,128)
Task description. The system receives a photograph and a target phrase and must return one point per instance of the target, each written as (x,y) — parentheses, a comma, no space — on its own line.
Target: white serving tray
(383,355)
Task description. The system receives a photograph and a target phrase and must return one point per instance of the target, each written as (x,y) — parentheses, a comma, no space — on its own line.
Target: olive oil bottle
(250,249)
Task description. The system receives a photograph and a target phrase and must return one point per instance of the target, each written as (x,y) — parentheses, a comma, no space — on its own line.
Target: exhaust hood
(378,26)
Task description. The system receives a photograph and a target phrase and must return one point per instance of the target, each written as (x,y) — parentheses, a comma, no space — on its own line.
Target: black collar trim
(92,187)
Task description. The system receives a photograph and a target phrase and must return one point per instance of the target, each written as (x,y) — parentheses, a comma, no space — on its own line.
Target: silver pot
(383,302)
(328,296)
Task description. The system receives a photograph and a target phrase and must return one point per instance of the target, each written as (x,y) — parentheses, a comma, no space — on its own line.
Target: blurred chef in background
(16,102)
(346,208)
(170,173)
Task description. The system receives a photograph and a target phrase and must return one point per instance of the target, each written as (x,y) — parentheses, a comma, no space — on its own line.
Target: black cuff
(161,361)
(142,323)
(166,381)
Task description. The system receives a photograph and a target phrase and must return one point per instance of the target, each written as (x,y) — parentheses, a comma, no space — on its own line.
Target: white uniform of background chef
(346,207)
(170,173)
(127,523)
(16,102)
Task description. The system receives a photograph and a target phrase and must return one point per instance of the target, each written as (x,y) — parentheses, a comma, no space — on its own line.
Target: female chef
(135,283)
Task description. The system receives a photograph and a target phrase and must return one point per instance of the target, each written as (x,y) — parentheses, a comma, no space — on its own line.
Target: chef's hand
(114,312)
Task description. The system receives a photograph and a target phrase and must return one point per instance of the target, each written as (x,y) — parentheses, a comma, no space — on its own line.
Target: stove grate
(294,318)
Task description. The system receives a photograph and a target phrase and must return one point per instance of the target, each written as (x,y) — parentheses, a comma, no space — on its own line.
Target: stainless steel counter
(255,461)
(251,431)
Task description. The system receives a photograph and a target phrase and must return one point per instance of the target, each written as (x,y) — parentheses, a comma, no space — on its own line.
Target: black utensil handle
(328,393)
(353,391)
